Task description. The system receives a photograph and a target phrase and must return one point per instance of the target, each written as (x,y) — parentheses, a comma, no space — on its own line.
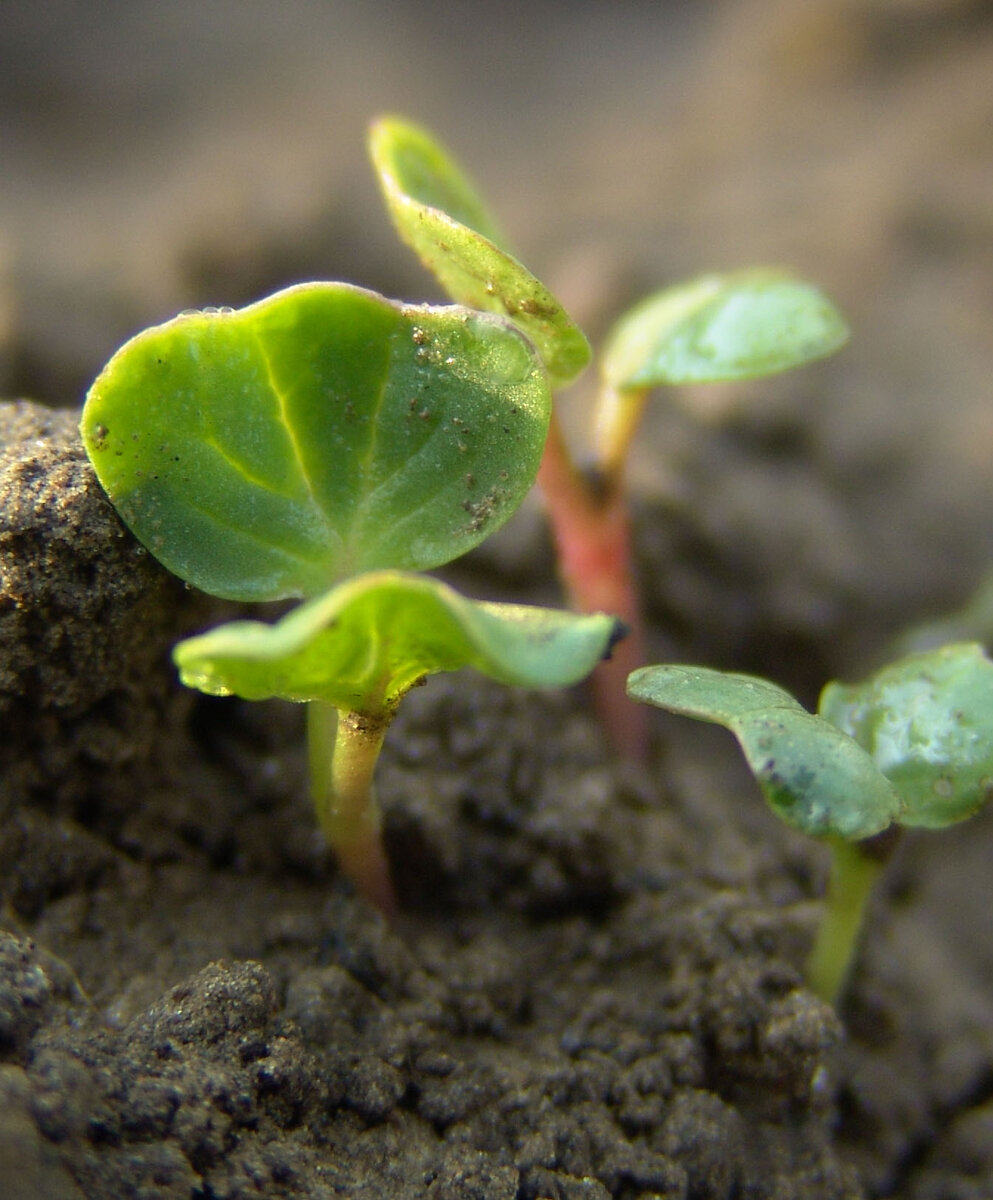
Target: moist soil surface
(593,988)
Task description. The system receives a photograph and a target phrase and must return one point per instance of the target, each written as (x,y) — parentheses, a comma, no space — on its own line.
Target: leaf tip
(619,630)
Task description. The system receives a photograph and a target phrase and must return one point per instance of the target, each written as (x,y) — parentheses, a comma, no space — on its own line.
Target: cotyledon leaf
(362,645)
(439,214)
(324,431)
(741,325)
(927,722)
(814,776)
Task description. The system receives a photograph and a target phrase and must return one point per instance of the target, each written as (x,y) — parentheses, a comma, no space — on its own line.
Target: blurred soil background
(162,155)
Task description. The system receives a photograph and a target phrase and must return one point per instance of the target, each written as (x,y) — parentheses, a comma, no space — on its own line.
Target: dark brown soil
(594,988)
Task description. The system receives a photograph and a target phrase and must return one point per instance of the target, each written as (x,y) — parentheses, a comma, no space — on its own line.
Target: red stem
(593,540)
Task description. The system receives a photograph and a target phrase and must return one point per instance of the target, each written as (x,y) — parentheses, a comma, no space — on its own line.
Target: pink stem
(593,540)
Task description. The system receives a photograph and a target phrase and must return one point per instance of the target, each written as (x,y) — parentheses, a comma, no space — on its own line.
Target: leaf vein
(287,424)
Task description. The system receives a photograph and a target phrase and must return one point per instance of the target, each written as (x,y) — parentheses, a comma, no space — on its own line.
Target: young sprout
(722,327)
(316,444)
(353,654)
(910,746)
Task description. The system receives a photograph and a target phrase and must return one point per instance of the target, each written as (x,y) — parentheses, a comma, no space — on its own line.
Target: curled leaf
(271,451)
(927,722)
(365,643)
(814,776)
(438,213)
(743,325)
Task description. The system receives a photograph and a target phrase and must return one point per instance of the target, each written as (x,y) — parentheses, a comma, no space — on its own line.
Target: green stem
(616,420)
(855,867)
(343,750)
(593,543)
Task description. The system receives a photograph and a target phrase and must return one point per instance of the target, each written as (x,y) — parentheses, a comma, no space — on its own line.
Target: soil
(593,989)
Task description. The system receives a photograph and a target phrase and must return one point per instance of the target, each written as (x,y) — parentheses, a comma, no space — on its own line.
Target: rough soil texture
(593,989)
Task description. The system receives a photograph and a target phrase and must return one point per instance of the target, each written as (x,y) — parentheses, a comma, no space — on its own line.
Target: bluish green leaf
(743,325)
(814,777)
(927,722)
(438,213)
(321,432)
(361,646)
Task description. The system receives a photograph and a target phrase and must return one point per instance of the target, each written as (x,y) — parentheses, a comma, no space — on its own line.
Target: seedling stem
(854,871)
(592,533)
(343,752)
(617,418)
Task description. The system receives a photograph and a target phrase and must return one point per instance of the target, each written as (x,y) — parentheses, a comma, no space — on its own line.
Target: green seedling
(910,746)
(324,443)
(354,652)
(722,327)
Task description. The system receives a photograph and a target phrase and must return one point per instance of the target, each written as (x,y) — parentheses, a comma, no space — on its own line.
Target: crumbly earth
(593,989)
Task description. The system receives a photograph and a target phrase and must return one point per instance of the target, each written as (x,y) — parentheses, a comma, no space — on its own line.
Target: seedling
(353,654)
(325,443)
(911,746)
(743,325)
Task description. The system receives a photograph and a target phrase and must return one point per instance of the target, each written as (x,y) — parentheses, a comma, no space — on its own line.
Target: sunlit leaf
(813,775)
(927,722)
(438,213)
(743,325)
(323,431)
(362,645)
